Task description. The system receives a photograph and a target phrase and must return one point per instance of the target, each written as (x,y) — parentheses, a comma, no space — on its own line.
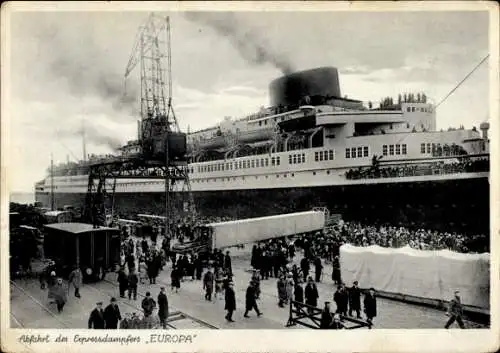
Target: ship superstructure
(310,137)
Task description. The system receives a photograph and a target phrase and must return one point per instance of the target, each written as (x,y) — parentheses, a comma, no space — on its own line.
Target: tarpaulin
(419,273)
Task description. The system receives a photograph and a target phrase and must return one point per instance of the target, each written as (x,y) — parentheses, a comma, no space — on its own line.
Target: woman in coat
(289,288)
(281,291)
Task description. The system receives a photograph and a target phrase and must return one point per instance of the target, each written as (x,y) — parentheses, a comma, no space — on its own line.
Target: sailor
(251,300)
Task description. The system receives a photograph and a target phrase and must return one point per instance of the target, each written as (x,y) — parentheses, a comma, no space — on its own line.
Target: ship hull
(460,205)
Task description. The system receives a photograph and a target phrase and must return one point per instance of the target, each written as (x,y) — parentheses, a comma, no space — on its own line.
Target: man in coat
(281,291)
(326,317)
(148,305)
(75,278)
(298,292)
(355,300)
(96,319)
(59,293)
(132,285)
(230,299)
(112,315)
(311,294)
(336,270)
(163,307)
(251,299)
(304,266)
(455,311)
(208,284)
(122,282)
(341,300)
(318,268)
(370,303)
(228,268)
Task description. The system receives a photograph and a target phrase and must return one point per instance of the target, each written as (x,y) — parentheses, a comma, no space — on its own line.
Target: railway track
(29,311)
(176,320)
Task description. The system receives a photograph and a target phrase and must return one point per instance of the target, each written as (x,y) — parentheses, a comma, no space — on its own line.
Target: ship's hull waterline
(460,205)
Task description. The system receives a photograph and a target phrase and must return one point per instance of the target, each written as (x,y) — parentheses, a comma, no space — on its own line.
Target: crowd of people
(464,166)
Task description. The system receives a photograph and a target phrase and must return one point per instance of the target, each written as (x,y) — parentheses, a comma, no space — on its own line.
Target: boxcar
(94,250)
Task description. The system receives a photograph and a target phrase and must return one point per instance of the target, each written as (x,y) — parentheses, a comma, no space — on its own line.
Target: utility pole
(52,201)
(84,147)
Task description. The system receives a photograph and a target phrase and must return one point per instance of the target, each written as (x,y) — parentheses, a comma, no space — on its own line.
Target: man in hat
(208,284)
(230,299)
(96,319)
(311,294)
(251,299)
(112,315)
(370,303)
(163,307)
(341,299)
(355,300)
(122,281)
(326,317)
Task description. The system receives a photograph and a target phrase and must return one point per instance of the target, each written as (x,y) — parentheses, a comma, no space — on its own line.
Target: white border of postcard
(483,340)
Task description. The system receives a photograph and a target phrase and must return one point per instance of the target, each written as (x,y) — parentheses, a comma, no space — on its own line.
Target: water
(22,197)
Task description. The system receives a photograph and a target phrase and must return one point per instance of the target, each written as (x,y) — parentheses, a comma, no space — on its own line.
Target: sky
(67,67)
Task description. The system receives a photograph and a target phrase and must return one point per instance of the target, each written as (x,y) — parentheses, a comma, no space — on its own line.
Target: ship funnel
(139,130)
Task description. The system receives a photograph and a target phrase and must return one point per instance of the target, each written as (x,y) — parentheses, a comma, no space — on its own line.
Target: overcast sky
(69,66)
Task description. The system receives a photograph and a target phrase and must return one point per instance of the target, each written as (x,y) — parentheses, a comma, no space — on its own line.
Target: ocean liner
(313,147)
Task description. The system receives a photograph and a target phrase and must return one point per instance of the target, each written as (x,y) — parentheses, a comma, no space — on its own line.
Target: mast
(52,182)
(84,144)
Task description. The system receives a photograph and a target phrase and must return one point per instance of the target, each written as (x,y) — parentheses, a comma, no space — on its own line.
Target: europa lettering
(167,338)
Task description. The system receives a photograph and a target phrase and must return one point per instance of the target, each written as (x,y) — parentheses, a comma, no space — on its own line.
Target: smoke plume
(251,45)
(96,135)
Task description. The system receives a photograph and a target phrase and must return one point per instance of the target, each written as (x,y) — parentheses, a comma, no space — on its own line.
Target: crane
(152,51)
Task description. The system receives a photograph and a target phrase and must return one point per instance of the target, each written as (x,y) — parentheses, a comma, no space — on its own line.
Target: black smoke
(96,135)
(250,43)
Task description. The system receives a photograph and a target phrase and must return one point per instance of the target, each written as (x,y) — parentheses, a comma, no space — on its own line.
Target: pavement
(190,300)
